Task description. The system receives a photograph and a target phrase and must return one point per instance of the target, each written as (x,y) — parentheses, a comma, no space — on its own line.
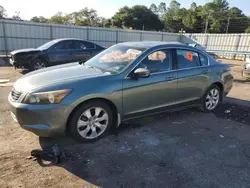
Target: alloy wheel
(92,122)
(39,65)
(212,99)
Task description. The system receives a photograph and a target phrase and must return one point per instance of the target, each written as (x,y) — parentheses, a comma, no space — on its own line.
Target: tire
(85,121)
(38,64)
(211,99)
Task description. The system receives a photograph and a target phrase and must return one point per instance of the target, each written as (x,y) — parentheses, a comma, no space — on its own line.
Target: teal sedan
(128,80)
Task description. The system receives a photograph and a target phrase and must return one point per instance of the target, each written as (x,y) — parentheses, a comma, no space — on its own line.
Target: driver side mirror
(142,73)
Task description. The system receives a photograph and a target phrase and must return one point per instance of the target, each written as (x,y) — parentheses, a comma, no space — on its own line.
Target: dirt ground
(180,149)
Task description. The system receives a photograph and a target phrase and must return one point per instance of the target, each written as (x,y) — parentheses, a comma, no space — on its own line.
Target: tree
(247,30)
(59,18)
(216,12)
(108,23)
(39,19)
(193,6)
(3,12)
(153,8)
(237,21)
(86,17)
(16,16)
(137,17)
(162,8)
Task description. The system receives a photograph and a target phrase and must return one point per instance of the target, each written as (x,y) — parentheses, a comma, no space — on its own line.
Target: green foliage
(39,19)
(3,12)
(214,16)
(247,30)
(137,17)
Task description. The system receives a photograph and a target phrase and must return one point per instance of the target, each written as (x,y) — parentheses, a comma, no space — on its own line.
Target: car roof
(64,39)
(150,44)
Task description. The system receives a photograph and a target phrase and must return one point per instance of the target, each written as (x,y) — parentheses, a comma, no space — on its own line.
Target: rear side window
(203,60)
(187,59)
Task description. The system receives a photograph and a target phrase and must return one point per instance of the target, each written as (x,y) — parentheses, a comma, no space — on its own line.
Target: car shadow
(112,161)
(121,160)
(242,81)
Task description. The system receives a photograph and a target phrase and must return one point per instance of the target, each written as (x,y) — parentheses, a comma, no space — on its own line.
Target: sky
(105,8)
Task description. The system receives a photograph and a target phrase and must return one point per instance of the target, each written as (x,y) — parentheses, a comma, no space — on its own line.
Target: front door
(156,91)
(193,75)
(61,53)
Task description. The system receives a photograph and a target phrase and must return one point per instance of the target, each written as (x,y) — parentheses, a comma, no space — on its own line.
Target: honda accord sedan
(127,80)
(55,52)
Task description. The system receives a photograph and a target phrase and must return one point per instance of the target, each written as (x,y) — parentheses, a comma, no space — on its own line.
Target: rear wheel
(91,121)
(211,99)
(38,64)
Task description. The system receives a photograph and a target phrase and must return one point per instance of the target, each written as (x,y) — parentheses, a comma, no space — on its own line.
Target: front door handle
(204,72)
(170,78)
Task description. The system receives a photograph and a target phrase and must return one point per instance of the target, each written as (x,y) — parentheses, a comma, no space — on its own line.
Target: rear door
(61,52)
(83,50)
(193,73)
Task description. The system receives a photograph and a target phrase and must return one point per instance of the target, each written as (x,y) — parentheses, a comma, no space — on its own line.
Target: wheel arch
(113,107)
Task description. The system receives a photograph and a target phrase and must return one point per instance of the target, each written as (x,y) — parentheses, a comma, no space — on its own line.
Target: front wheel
(91,121)
(211,99)
(38,64)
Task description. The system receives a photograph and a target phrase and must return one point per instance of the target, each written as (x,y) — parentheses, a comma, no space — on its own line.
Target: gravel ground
(181,149)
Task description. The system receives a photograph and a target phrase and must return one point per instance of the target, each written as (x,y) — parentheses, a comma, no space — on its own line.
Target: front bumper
(43,120)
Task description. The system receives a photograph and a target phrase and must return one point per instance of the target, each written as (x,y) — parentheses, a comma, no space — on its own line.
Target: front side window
(158,61)
(187,59)
(63,45)
(116,58)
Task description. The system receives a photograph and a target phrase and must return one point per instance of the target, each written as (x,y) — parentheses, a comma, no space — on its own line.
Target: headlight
(50,97)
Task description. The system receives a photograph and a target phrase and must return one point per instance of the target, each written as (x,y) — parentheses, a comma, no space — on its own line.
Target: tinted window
(158,61)
(187,59)
(83,45)
(64,45)
(203,60)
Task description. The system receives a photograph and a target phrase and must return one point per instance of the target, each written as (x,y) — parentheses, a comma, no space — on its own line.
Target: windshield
(116,58)
(46,45)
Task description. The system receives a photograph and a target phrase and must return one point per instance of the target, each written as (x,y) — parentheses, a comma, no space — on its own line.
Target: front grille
(15,94)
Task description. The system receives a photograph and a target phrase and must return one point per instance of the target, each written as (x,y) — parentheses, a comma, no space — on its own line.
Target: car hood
(24,50)
(54,75)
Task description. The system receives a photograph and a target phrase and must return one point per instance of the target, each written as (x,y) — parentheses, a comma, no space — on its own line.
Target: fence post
(116,36)
(162,35)
(87,33)
(237,46)
(5,39)
(141,36)
(206,41)
(51,32)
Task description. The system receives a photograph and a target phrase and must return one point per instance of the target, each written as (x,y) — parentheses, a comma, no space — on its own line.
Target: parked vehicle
(55,52)
(246,69)
(125,81)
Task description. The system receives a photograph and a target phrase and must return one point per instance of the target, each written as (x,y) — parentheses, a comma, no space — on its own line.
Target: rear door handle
(170,78)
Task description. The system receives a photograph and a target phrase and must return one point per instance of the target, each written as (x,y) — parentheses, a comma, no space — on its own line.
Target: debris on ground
(227,111)
(29,157)
(178,122)
(54,155)
(2,81)
(222,136)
